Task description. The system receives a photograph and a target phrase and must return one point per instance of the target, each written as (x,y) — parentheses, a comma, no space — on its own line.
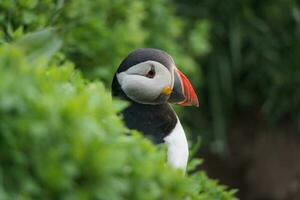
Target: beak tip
(190,102)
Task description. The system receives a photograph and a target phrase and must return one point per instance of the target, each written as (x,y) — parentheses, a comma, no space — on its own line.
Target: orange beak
(183,92)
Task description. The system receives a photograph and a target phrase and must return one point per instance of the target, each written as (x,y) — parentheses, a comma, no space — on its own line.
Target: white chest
(178,151)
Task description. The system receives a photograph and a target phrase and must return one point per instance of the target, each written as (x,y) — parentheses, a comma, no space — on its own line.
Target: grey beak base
(177,94)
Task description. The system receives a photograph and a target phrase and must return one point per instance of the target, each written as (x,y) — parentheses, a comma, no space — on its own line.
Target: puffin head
(150,76)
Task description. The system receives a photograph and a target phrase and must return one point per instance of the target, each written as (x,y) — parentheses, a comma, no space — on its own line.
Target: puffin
(149,80)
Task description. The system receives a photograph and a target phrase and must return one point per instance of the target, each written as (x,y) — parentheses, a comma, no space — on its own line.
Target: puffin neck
(154,121)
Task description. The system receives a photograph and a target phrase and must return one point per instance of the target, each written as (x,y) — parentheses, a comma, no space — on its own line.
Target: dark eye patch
(151,72)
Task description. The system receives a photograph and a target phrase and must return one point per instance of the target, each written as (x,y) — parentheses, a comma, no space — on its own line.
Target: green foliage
(253,66)
(61,138)
(45,45)
(99,34)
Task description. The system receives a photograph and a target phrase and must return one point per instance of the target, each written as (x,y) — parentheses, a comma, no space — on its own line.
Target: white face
(144,82)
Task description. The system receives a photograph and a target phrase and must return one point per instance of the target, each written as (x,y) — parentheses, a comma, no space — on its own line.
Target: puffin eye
(151,73)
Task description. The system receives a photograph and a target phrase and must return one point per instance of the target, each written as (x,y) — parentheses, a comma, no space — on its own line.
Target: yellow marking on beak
(166,91)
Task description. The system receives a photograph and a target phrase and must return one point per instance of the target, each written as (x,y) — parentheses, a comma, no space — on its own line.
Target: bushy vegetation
(252,68)
(98,34)
(61,138)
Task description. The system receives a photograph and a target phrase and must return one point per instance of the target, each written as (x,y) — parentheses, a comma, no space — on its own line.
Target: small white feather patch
(178,150)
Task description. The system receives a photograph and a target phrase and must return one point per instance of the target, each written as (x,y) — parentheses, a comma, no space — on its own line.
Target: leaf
(41,44)
(193,164)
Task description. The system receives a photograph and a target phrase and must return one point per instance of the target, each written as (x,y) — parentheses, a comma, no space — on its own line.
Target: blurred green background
(243,58)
